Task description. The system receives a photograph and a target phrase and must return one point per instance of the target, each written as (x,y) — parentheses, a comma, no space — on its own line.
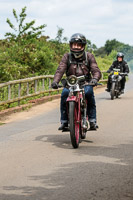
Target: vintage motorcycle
(116,77)
(77,108)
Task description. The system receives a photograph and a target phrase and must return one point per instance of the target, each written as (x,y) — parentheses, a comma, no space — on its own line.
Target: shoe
(63,126)
(122,91)
(107,90)
(93,126)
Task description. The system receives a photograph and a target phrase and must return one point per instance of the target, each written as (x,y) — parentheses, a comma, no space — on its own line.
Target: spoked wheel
(74,125)
(112,92)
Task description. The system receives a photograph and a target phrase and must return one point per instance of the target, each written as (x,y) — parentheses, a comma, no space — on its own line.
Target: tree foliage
(26,52)
(116,46)
(23,31)
(90,47)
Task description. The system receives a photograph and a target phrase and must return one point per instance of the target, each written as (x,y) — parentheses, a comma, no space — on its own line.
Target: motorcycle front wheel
(74,124)
(112,92)
(118,90)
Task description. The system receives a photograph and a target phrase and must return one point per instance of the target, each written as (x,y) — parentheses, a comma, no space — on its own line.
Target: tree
(23,31)
(90,47)
(59,38)
(112,45)
(60,44)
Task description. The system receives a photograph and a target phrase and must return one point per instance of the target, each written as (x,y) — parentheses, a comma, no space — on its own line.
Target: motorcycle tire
(112,92)
(74,126)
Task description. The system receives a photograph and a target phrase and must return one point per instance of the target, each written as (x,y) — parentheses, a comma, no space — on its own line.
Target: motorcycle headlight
(72,80)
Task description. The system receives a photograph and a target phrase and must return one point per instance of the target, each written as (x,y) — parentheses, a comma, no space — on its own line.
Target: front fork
(84,112)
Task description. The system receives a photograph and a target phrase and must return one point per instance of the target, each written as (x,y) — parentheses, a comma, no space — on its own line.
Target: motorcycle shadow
(62,140)
(108,98)
(87,141)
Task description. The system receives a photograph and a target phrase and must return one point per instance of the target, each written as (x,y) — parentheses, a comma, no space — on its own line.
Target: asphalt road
(37,162)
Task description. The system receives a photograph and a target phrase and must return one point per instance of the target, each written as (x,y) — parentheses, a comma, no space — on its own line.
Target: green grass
(1,123)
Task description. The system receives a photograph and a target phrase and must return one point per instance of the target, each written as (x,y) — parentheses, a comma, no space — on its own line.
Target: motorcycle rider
(121,64)
(78,62)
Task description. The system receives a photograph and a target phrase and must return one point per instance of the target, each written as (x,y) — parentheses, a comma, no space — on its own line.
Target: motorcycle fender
(73,98)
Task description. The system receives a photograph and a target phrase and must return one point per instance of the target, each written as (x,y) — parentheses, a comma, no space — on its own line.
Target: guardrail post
(43,86)
(102,76)
(19,93)
(49,85)
(27,88)
(9,92)
(36,86)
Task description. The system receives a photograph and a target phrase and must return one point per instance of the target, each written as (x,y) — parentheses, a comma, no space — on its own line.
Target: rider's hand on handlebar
(54,85)
(93,81)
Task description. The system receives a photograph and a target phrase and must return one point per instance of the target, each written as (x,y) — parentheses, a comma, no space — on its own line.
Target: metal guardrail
(17,90)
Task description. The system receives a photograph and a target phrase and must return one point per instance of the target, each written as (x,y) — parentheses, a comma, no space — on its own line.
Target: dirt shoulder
(29,112)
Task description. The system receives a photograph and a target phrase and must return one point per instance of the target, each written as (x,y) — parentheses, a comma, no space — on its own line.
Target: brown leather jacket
(78,68)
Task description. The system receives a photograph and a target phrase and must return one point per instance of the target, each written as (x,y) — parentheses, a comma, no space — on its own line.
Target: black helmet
(120,54)
(77,38)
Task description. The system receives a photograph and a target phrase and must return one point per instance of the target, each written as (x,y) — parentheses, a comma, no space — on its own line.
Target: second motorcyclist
(121,64)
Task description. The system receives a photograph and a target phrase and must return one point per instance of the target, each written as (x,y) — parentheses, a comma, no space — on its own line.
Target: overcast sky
(98,20)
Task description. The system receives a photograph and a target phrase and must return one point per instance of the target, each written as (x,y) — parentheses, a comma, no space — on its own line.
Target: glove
(93,81)
(54,85)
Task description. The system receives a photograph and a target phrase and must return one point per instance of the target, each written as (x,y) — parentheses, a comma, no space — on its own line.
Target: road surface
(37,162)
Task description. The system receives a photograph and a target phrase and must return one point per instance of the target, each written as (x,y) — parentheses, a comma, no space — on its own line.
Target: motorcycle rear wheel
(74,125)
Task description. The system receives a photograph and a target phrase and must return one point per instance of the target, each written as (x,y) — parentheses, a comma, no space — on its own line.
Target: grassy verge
(26,101)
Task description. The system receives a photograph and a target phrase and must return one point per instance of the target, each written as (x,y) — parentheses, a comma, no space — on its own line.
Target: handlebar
(125,74)
(81,80)
(120,73)
(93,84)
(60,86)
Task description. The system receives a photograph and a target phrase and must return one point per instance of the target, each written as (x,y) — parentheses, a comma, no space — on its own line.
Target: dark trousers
(91,105)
